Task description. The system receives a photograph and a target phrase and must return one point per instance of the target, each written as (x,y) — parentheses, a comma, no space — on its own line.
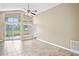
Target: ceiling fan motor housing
(28,11)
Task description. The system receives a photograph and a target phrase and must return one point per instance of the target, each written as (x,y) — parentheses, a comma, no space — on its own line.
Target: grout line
(59,46)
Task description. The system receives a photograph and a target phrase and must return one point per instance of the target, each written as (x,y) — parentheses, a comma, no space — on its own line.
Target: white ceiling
(40,7)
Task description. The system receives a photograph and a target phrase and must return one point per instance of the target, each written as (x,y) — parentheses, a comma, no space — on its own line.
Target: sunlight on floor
(12,47)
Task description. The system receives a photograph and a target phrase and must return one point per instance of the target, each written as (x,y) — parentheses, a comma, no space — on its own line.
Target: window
(12,19)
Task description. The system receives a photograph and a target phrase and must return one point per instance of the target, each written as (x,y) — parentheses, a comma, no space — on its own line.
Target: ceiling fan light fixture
(28,12)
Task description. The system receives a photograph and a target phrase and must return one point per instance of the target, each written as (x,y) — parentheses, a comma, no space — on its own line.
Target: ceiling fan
(29,12)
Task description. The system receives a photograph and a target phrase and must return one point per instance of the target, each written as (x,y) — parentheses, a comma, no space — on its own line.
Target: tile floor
(31,48)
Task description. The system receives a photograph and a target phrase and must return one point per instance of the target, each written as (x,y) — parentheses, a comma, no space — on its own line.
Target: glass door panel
(9,31)
(16,31)
(25,29)
(12,28)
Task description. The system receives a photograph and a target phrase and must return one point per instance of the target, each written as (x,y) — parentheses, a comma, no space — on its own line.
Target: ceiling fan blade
(24,9)
(33,13)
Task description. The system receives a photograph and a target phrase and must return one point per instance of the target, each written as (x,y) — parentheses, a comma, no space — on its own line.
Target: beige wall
(59,25)
(1,26)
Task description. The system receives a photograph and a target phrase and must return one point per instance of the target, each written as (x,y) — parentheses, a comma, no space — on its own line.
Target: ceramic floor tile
(31,48)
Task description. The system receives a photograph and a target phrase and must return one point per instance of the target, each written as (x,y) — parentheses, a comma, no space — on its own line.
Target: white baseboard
(58,46)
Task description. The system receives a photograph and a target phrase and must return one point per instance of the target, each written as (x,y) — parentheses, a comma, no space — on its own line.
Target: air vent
(74,45)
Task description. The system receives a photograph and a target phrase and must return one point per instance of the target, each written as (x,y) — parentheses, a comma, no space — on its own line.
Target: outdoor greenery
(13,26)
(16,32)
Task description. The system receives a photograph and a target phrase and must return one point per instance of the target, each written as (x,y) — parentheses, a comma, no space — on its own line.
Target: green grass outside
(15,32)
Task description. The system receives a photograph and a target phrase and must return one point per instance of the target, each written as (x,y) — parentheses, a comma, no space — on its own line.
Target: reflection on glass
(12,19)
(9,30)
(16,30)
(26,29)
(12,26)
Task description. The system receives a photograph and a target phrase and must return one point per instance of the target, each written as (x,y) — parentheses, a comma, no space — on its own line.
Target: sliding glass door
(15,29)
(12,28)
